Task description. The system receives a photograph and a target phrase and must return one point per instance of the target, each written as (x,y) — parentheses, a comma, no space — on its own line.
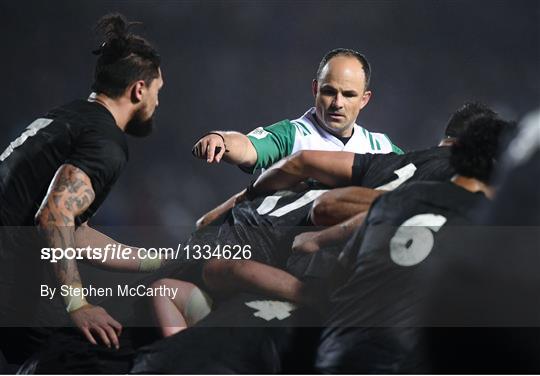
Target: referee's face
(340,94)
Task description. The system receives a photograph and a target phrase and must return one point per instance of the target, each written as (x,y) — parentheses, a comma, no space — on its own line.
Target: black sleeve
(100,156)
(360,167)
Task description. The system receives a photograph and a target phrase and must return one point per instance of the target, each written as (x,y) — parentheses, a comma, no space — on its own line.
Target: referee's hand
(94,320)
(210,147)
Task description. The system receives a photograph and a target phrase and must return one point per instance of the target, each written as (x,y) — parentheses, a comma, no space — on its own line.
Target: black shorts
(69,352)
(232,340)
(356,350)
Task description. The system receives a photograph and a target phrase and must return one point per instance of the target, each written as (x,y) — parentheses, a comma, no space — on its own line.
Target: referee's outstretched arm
(233,147)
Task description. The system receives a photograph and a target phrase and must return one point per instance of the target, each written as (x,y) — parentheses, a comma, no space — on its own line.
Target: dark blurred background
(238,65)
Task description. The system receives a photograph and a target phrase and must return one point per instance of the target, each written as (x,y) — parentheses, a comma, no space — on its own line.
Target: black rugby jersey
(388,171)
(267,224)
(80,133)
(371,325)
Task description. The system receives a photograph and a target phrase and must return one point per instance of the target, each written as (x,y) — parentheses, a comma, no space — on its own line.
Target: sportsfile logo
(109,252)
(120,252)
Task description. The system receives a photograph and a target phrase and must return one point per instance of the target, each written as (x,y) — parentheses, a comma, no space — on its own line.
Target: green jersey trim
(371,141)
(301,128)
(273,143)
(395,148)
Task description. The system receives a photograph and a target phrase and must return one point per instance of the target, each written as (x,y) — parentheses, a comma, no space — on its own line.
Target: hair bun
(115,28)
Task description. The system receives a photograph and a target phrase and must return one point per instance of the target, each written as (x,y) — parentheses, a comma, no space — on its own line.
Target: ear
(314,87)
(365,98)
(137,91)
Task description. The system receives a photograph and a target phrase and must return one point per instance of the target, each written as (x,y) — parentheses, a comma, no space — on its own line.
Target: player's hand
(306,242)
(217,212)
(211,147)
(240,197)
(95,321)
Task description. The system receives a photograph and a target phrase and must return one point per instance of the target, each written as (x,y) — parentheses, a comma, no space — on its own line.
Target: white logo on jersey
(270,202)
(258,133)
(271,309)
(30,131)
(413,240)
(404,173)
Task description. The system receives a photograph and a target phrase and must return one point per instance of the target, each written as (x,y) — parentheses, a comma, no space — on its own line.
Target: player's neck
(115,106)
(473,185)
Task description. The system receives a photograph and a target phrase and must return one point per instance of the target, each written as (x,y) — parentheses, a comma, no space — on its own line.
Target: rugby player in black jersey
(373,320)
(57,174)
(258,234)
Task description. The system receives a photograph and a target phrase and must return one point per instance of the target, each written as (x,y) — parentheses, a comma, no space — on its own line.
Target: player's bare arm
(340,204)
(313,241)
(88,236)
(232,147)
(344,209)
(332,168)
(69,195)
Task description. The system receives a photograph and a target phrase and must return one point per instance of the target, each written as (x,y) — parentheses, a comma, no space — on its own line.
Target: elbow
(49,215)
(295,163)
(42,216)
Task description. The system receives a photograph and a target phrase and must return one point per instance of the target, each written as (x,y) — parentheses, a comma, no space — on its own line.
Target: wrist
(250,192)
(319,240)
(217,134)
(150,262)
(220,134)
(74,299)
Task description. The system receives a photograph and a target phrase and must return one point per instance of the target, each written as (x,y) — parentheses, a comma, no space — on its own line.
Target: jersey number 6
(414,240)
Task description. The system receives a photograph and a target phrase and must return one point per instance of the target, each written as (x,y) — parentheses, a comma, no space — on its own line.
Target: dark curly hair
(477,148)
(123,57)
(464,115)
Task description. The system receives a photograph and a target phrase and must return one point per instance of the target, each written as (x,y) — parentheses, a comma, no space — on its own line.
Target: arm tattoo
(70,194)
